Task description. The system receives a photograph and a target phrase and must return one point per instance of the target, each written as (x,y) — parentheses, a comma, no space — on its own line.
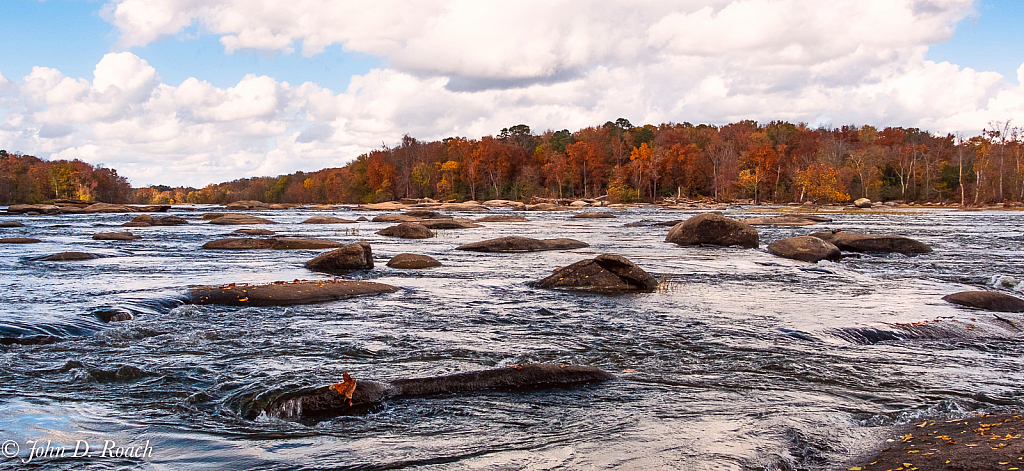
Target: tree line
(28,179)
(776,162)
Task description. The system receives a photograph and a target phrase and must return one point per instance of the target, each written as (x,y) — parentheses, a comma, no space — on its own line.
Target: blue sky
(185,92)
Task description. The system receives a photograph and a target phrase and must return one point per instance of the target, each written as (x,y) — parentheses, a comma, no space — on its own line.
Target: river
(740,361)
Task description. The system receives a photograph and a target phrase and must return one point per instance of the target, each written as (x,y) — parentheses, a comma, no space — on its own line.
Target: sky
(193,92)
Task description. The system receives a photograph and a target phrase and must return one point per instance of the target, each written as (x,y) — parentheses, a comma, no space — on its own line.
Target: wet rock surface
(805,248)
(412,261)
(407,230)
(713,229)
(603,274)
(357,256)
(115,236)
(522,244)
(987,300)
(853,242)
(286,293)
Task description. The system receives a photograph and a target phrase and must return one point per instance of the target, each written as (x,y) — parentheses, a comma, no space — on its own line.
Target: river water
(741,360)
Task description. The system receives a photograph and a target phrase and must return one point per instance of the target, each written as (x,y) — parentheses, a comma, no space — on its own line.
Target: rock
(286,293)
(388,206)
(327,220)
(247,205)
(579,204)
(19,240)
(786,220)
(593,215)
(361,218)
(109,315)
(142,220)
(321,207)
(713,229)
(291,243)
(115,236)
(425,214)
(407,230)
(328,401)
(603,274)
(467,206)
(357,256)
(522,244)
(503,218)
(169,221)
(107,208)
(546,207)
(239,219)
(67,257)
(34,208)
(852,242)
(987,300)
(212,216)
(518,206)
(157,208)
(448,224)
(396,218)
(11,224)
(412,261)
(145,220)
(862,203)
(804,248)
(239,243)
(255,232)
(650,222)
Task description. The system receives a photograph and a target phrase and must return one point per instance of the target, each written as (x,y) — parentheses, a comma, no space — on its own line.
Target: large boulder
(522,244)
(115,236)
(19,240)
(805,248)
(407,230)
(357,256)
(503,218)
(410,261)
(67,257)
(713,229)
(987,300)
(604,274)
(239,219)
(593,215)
(285,293)
(862,203)
(852,242)
(327,220)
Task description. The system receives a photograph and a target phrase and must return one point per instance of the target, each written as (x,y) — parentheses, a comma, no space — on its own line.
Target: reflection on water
(740,360)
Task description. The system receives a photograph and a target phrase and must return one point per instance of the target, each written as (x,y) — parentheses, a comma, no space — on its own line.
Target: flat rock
(407,230)
(285,293)
(396,218)
(522,244)
(504,204)
(425,214)
(68,257)
(145,220)
(357,256)
(239,219)
(239,243)
(19,240)
(107,208)
(388,206)
(11,224)
(247,205)
(804,248)
(987,300)
(255,232)
(34,208)
(604,274)
(786,220)
(713,229)
(853,242)
(448,224)
(327,220)
(503,218)
(547,207)
(594,215)
(115,236)
(294,243)
(412,261)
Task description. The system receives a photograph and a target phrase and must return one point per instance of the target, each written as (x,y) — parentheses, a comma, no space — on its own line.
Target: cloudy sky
(190,92)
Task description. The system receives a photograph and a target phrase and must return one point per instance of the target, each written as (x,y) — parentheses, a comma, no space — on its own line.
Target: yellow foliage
(821,182)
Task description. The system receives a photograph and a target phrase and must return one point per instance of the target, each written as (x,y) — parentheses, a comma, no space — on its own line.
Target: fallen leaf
(345,388)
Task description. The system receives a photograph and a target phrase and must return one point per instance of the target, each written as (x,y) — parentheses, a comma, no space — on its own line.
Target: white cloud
(471,68)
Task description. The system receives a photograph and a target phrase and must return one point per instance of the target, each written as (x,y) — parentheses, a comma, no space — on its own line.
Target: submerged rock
(848,241)
(67,257)
(115,236)
(407,230)
(19,240)
(448,224)
(355,395)
(604,274)
(804,248)
(713,229)
(357,256)
(987,300)
(412,261)
(286,293)
(239,219)
(522,244)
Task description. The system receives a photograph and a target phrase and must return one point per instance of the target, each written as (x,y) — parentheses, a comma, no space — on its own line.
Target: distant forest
(777,162)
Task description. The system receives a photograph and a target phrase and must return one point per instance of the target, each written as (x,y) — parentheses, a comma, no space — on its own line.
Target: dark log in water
(327,401)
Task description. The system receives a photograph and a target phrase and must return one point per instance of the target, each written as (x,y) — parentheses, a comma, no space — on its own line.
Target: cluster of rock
(82,208)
